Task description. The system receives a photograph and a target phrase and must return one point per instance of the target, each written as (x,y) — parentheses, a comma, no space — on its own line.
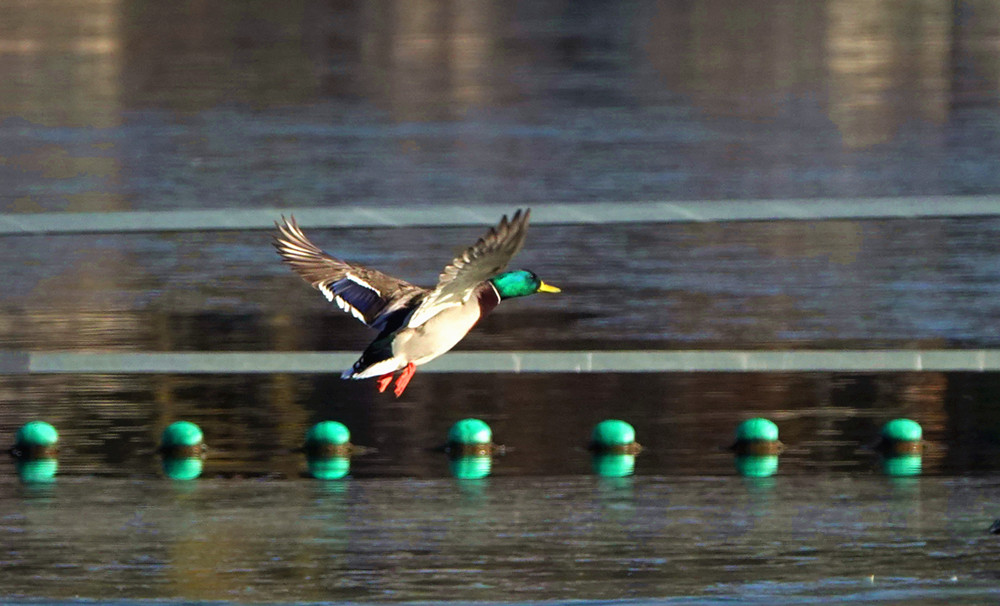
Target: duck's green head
(519,283)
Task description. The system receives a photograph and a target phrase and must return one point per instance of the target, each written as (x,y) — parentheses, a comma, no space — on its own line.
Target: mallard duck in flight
(415,324)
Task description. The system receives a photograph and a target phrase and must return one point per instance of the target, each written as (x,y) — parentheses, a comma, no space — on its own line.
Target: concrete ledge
(543,213)
(15,362)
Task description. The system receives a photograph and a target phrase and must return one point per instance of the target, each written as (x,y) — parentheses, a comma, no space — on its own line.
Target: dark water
(137,104)
(110,424)
(119,105)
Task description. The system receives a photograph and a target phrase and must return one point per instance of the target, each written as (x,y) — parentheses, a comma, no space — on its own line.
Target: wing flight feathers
(481,261)
(368,295)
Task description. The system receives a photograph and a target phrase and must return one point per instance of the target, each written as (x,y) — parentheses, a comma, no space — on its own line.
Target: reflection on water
(868,284)
(512,539)
(134,104)
(110,425)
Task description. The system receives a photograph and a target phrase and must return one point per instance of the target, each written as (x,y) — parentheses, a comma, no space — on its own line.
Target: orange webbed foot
(383,382)
(404,379)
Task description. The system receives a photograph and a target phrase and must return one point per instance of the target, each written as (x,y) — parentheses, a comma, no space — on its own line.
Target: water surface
(842,537)
(133,105)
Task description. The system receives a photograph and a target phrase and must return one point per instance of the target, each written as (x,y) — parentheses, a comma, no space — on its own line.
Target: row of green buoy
(757,447)
(470,447)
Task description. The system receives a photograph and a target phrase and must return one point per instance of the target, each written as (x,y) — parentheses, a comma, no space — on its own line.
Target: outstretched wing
(481,261)
(369,295)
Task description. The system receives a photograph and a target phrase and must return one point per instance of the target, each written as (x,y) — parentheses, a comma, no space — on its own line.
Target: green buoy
(183,448)
(182,435)
(470,431)
(328,449)
(757,428)
(470,437)
(757,436)
(36,446)
(328,439)
(900,444)
(901,437)
(36,440)
(902,430)
(613,436)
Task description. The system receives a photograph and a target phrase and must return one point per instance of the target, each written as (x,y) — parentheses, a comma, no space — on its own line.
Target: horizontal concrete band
(487,214)
(510,361)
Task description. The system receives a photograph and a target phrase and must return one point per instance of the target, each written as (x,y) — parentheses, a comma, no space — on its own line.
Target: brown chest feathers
(488,298)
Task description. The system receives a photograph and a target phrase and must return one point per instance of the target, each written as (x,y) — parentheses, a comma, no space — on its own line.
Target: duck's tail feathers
(377,369)
(378,359)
